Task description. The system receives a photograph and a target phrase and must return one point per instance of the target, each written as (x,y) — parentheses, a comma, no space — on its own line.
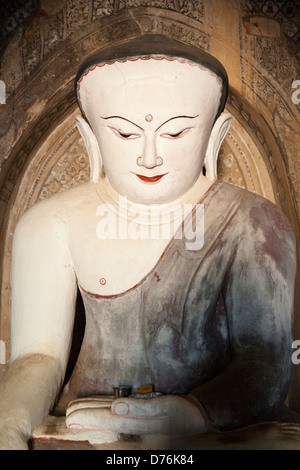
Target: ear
(217,136)
(92,147)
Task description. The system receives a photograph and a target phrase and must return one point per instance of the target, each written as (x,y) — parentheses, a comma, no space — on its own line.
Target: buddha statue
(187,282)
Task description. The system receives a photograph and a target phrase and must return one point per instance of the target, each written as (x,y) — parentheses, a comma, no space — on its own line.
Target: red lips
(150,179)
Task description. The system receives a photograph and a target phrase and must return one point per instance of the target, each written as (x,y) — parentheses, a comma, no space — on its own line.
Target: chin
(153,198)
(152,193)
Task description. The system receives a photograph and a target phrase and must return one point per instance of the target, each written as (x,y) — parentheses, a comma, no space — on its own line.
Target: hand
(169,414)
(11,425)
(12,440)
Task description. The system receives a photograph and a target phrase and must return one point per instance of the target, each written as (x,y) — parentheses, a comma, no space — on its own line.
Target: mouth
(150,179)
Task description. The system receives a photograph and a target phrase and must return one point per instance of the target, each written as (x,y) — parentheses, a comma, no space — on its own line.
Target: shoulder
(256,211)
(265,235)
(57,210)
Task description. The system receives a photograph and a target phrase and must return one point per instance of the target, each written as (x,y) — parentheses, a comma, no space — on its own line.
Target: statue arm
(258,293)
(42,314)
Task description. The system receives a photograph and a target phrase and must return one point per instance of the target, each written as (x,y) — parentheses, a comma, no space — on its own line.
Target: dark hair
(150,45)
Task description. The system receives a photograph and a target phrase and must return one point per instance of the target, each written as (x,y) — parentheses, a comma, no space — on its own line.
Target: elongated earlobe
(92,147)
(217,136)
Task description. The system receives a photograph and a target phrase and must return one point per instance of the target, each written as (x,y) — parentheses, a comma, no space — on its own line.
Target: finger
(90,402)
(102,419)
(140,407)
(91,418)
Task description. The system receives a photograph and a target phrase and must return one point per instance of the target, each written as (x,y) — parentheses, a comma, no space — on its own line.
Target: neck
(153,214)
(191,196)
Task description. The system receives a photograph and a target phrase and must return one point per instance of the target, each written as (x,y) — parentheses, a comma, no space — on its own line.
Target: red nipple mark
(102,281)
(157,277)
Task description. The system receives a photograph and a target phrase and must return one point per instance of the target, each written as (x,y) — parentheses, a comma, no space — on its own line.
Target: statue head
(152,116)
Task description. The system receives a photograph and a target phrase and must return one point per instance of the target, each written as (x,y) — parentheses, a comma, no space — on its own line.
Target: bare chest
(111,267)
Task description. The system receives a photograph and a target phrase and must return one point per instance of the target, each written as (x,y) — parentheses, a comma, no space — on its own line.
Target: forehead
(160,87)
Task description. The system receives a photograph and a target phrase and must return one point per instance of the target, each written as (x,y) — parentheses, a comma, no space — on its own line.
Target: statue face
(152,120)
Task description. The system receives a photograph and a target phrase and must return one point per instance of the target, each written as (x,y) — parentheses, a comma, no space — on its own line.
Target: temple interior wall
(42,151)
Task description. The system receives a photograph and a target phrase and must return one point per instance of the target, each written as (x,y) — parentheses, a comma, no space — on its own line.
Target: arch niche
(47,154)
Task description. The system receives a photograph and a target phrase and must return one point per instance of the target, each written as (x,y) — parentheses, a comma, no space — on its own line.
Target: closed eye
(124,135)
(177,135)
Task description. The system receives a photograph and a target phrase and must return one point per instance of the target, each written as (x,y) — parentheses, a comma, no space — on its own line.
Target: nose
(149,159)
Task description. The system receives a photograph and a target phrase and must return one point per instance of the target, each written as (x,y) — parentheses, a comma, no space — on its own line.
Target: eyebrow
(124,119)
(176,117)
(168,120)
